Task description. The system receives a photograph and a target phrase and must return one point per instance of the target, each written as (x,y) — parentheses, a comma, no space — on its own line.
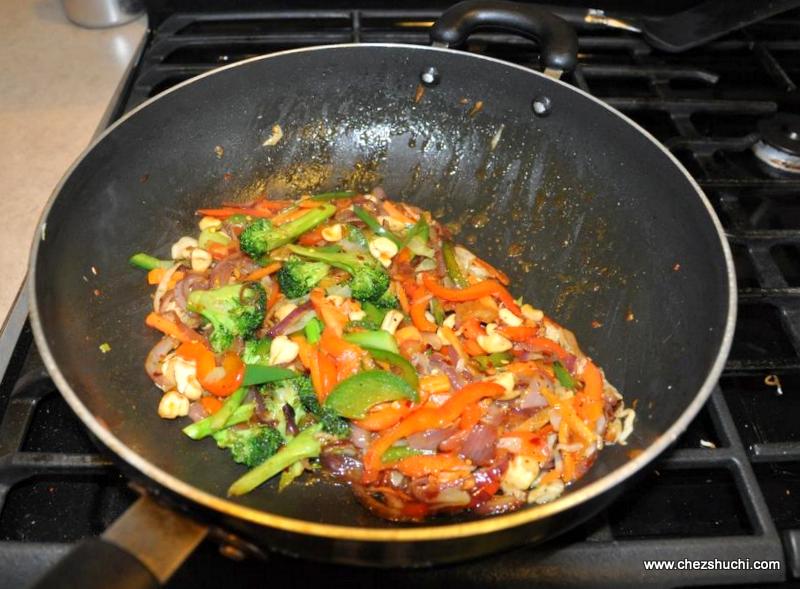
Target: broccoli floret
(250,445)
(387,300)
(297,277)
(305,445)
(261,237)
(284,392)
(331,422)
(233,310)
(368,279)
(256,351)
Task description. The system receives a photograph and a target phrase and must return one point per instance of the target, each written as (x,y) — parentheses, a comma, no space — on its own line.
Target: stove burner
(779,146)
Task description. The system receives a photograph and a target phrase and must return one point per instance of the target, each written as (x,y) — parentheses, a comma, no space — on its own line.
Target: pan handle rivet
(231,552)
(429,76)
(541,105)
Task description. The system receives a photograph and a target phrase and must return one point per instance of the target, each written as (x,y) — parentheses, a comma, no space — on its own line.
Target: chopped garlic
(391,320)
(356,315)
(392,224)
(173,405)
(332,233)
(182,248)
(520,474)
(201,260)
(186,382)
(507,381)
(531,314)
(546,493)
(277,135)
(209,223)
(282,350)
(509,318)
(282,312)
(494,343)
(383,249)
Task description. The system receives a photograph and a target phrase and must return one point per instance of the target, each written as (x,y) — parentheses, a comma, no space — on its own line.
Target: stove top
(729,489)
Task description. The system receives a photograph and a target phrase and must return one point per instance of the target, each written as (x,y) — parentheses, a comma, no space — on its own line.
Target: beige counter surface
(57,80)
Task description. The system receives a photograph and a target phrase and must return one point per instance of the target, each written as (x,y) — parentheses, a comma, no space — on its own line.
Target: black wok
(593,219)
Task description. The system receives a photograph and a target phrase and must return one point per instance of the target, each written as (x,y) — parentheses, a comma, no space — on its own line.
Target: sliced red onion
(184,287)
(569,362)
(379,193)
(497,505)
(424,488)
(494,415)
(438,361)
(361,438)
(282,327)
(163,286)
(341,465)
(421,362)
(430,438)
(197,412)
(225,270)
(532,398)
(291,425)
(452,497)
(155,359)
(479,445)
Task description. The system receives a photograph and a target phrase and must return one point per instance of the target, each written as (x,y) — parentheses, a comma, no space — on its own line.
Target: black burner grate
(731,486)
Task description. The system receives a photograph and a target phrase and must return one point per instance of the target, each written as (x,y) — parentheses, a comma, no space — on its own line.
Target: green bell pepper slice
(451,264)
(563,375)
(260,374)
(377,340)
(407,372)
(353,397)
(375,226)
(148,262)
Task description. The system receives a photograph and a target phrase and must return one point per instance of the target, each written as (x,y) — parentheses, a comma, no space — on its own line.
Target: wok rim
(438,532)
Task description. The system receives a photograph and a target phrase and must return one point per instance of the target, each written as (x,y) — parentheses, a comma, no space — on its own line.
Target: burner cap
(779,146)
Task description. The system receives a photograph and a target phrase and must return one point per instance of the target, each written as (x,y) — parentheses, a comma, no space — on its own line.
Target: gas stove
(729,489)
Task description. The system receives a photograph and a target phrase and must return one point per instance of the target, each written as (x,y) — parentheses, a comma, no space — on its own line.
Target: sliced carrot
(211,404)
(400,292)
(384,416)
(262,272)
(407,333)
(179,331)
(529,368)
(156,275)
(288,215)
(550,476)
(225,212)
(403,256)
(274,295)
(395,213)
(308,204)
(568,466)
(425,464)
(434,384)
(590,400)
(569,416)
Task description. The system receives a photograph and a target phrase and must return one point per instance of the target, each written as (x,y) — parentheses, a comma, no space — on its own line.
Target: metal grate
(738,499)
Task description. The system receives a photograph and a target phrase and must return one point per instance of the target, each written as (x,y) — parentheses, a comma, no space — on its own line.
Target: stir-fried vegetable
(347,332)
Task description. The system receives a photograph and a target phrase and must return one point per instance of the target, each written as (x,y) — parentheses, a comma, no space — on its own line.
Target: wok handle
(557,40)
(140,550)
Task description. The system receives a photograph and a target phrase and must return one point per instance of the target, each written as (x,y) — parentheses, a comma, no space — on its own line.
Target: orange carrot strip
(157,274)
(426,418)
(274,294)
(384,416)
(402,298)
(262,272)
(569,416)
(550,476)
(395,212)
(288,215)
(472,348)
(434,384)
(311,237)
(225,212)
(568,466)
(425,464)
(407,333)
(210,404)
(179,331)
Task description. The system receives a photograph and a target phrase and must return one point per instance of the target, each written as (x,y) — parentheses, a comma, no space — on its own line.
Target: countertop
(57,81)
